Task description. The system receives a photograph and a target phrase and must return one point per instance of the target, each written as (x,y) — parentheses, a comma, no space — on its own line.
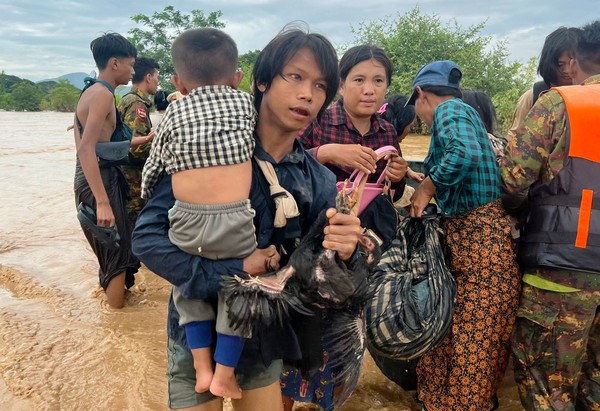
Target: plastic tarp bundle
(414,293)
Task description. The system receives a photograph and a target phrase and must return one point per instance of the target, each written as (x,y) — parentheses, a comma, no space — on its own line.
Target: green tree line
(411,40)
(18,94)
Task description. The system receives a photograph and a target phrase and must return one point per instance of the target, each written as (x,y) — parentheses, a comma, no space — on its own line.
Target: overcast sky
(46,39)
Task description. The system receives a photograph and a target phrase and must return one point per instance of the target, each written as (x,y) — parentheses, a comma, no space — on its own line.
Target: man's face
(575,72)
(153,82)
(563,69)
(124,68)
(294,97)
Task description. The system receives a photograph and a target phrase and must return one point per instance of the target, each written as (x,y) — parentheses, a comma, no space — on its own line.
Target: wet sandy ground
(58,352)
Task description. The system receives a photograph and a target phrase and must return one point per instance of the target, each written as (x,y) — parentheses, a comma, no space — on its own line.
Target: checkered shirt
(211,126)
(335,126)
(461,162)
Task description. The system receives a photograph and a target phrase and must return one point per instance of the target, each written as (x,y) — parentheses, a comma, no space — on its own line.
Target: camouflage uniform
(556,343)
(135,110)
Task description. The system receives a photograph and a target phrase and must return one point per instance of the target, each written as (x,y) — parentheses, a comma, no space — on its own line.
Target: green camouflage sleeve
(526,158)
(135,115)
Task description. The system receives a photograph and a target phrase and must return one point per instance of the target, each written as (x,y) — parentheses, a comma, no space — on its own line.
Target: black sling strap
(89,81)
(292,229)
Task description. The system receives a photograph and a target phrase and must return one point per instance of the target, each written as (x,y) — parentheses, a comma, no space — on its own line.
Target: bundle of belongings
(414,296)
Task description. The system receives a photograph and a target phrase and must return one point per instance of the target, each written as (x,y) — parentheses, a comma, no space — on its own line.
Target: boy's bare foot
(203,365)
(224,383)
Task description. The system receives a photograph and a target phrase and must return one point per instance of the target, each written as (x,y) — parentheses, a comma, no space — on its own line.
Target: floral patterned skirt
(465,370)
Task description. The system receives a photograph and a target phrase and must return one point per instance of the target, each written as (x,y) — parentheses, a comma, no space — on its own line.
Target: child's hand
(413,175)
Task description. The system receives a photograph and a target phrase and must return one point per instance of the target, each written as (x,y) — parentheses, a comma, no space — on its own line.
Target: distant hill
(76,79)
(7,81)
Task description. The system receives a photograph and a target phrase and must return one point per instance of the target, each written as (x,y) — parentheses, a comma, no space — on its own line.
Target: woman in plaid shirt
(346,136)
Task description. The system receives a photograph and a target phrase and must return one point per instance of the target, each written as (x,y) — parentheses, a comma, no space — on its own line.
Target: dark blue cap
(436,73)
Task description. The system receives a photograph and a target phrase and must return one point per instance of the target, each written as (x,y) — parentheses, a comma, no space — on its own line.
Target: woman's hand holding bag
(376,211)
(372,190)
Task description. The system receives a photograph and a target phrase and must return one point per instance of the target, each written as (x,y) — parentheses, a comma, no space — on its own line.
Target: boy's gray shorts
(213,231)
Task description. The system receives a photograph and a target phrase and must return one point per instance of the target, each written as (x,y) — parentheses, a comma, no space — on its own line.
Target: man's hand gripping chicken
(314,275)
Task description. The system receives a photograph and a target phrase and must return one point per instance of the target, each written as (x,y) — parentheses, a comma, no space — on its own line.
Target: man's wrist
(103,202)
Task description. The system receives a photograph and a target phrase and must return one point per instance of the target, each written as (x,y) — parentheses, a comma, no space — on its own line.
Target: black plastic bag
(381,217)
(414,292)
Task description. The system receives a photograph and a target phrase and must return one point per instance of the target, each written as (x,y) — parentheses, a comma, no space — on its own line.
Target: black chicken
(314,277)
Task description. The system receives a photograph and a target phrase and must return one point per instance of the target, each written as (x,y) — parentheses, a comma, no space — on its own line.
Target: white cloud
(45,39)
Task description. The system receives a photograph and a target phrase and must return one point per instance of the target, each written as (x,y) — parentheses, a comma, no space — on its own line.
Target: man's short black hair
(587,51)
(160,100)
(111,45)
(282,48)
(443,91)
(143,66)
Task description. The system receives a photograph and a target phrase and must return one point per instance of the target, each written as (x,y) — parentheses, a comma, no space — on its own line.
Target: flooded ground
(61,346)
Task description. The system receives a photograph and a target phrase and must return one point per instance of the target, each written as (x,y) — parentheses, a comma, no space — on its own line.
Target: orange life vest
(562,229)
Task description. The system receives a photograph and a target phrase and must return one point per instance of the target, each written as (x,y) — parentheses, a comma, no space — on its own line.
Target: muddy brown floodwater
(61,346)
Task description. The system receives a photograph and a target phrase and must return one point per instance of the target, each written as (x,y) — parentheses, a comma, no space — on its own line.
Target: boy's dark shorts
(181,377)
